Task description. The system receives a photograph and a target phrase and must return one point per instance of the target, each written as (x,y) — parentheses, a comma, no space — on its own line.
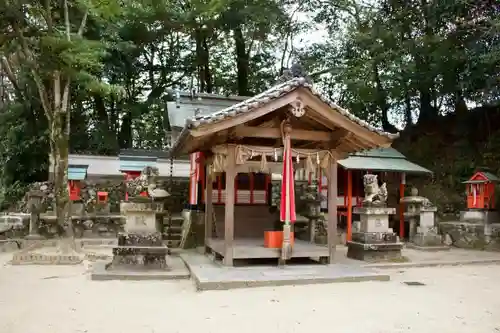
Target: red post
(201,167)
(349,205)
(401,206)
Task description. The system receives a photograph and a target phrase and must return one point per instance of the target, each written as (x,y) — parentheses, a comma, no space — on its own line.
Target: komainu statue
(374,195)
(146,182)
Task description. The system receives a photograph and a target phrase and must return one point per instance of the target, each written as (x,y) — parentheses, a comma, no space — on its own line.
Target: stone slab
(427,219)
(33,258)
(9,245)
(374,252)
(209,275)
(429,239)
(430,248)
(374,237)
(177,271)
(479,216)
(142,222)
(374,210)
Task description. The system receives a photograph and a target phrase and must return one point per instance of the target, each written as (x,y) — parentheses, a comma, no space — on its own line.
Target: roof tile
(269,95)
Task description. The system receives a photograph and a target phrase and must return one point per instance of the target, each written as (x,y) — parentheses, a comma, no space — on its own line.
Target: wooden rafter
(275,133)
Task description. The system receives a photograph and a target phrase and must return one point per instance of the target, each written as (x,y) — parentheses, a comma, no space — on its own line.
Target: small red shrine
(76,174)
(481,190)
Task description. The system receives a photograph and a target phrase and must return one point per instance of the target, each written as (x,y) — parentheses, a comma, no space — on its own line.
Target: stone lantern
(421,216)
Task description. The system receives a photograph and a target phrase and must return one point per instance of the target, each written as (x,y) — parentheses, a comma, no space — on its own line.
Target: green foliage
(23,152)
(396,64)
(412,59)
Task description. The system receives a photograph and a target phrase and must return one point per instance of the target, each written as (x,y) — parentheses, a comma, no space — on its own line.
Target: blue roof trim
(77,172)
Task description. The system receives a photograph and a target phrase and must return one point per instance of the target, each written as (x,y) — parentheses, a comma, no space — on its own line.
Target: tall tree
(47,37)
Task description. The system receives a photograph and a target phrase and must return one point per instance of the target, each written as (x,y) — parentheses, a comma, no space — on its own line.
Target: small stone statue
(285,76)
(297,70)
(146,182)
(374,195)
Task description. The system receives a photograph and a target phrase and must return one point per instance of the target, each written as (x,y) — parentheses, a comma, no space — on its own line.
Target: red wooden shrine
(75,188)
(480,190)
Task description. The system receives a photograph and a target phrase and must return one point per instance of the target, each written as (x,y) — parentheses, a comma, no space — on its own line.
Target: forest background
(94,76)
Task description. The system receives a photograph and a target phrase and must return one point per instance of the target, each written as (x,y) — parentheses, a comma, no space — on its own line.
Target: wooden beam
(229,207)
(332,210)
(269,151)
(275,133)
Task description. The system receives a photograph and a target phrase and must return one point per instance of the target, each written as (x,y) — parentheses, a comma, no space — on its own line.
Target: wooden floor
(253,248)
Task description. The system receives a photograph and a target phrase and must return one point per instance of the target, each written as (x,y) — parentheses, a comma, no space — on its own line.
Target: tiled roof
(267,96)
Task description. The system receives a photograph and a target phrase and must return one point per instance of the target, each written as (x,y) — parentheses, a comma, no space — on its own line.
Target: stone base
(375,252)
(34,237)
(147,257)
(104,271)
(429,239)
(374,237)
(9,245)
(479,216)
(472,235)
(33,258)
(428,248)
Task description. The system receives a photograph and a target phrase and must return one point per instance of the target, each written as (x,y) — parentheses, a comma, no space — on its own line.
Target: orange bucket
(274,239)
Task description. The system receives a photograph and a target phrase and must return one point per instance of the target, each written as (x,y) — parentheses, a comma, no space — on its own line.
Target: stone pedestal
(374,240)
(480,216)
(141,245)
(423,233)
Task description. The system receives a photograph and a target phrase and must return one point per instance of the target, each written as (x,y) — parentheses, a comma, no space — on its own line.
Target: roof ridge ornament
(297,108)
(296,71)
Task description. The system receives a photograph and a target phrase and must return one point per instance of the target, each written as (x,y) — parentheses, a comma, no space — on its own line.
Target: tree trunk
(203,61)
(60,144)
(382,102)
(242,62)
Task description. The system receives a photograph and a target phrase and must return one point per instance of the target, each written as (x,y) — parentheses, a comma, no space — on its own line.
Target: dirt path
(64,300)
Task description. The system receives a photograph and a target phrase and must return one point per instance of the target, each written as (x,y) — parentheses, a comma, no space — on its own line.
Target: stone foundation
(469,235)
(479,216)
(374,252)
(373,240)
(428,239)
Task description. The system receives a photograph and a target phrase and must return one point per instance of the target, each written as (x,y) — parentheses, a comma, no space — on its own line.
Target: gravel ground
(38,299)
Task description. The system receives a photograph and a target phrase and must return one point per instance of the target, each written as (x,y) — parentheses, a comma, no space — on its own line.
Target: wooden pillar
(208,206)
(219,189)
(229,206)
(252,185)
(349,205)
(402,206)
(332,209)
